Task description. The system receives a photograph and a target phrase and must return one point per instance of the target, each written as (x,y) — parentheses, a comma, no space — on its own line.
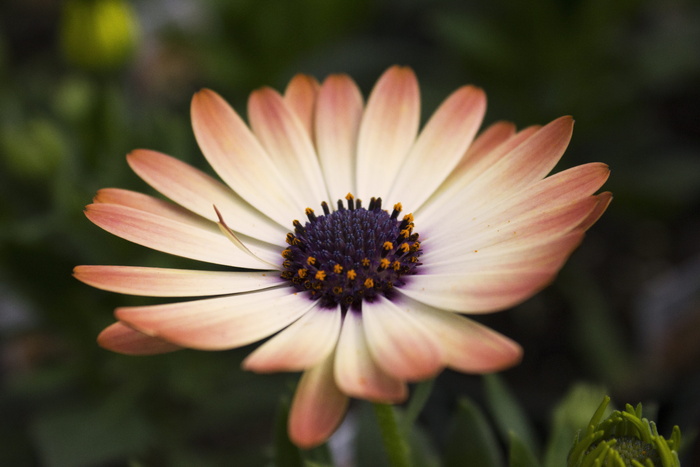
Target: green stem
(394,442)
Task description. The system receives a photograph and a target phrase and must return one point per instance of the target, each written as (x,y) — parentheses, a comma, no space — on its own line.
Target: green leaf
(520,453)
(472,438)
(507,413)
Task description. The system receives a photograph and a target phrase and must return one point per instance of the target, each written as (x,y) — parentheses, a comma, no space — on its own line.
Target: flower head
(355,240)
(624,439)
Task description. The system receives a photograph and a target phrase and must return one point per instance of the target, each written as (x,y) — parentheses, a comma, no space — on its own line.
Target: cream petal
(240,160)
(476,292)
(439,147)
(158,282)
(300,97)
(489,147)
(304,344)
(338,116)
(387,131)
(198,192)
(467,346)
(219,323)
(318,406)
(288,144)
(399,343)
(120,338)
(356,372)
(172,236)
(547,255)
(527,163)
(524,228)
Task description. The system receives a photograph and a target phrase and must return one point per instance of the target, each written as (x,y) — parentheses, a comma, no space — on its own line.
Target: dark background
(624,313)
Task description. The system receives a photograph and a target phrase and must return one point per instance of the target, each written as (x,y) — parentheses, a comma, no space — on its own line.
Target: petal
(527,163)
(199,192)
(239,159)
(467,346)
(387,131)
(439,147)
(356,372)
(514,228)
(496,141)
(318,406)
(219,323)
(604,200)
(122,339)
(288,144)
(476,292)
(172,236)
(300,346)
(157,282)
(398,342)
(338,118)
(300,97)
(547,255)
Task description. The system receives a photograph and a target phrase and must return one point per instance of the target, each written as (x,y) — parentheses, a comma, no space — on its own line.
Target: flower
(359,298)
(624,439)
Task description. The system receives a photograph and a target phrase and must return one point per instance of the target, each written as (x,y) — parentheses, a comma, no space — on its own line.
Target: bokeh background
(83,82)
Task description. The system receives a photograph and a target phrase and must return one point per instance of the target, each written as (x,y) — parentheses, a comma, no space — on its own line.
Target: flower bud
(623,439)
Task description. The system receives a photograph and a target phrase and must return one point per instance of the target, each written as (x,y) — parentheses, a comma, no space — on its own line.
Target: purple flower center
(352,254)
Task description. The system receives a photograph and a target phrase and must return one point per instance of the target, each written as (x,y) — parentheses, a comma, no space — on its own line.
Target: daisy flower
(354,242)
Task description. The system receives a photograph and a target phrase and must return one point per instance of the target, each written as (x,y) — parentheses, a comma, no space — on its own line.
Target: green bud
(98,35)
(623,439)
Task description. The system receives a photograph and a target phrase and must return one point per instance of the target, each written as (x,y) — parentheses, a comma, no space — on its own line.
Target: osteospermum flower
(355,240)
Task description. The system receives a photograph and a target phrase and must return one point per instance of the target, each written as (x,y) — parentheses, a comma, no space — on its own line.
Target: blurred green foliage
(627,70)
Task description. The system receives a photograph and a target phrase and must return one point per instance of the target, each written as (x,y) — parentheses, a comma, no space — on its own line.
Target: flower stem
(394,442)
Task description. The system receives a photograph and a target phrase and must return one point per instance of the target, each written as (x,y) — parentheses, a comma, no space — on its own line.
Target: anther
(326,209)
(310,214)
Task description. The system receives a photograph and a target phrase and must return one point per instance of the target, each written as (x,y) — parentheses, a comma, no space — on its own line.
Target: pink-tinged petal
(604,200)
(171,236)
(399,343)
(240,160)
(318,406)
(387,131)
(302,345)
(122,339)
(338,115)
(149,204)
(157,282)
(467,346)
(219,323)
(356,372)
(288,144)
(515,227)
(527,163)
(439,147)
(547,255)
(198,192)
(300,97)
(476,292)
(489,147)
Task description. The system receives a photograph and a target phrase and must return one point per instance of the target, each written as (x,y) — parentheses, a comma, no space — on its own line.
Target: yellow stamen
(352,274)
(310,260)
(388,246)
(384,263)
(302,272)
(320,275)
(369,283)
(365,262)
(337,269)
